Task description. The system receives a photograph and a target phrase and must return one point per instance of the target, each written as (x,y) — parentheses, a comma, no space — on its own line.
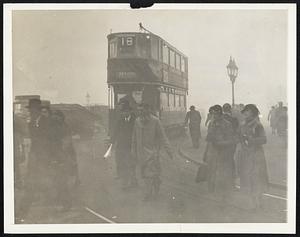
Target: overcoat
(252,165)
(147,140)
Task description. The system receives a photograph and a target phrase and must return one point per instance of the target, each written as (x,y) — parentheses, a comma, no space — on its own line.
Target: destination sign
(126,75)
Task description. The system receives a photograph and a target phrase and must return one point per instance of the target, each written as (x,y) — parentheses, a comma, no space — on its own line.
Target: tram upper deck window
(182,64)
(113,49)
(177,61)
(172,58)
(165,54)
(154,48)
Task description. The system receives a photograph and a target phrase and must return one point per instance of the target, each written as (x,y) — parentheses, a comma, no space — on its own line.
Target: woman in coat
(253,168)
(220,138)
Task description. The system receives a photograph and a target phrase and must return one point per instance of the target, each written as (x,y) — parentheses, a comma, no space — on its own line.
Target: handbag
(202,173)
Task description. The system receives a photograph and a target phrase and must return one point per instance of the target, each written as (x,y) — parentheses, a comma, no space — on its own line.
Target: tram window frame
(164,98)
(183,63)
(172,57)
(113,51)
(171,100)
(159,50)
(182,100)
(178,59)
(165,54)
(154,48)
(177,99)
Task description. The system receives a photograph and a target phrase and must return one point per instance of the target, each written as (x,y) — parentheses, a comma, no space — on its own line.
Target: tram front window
(131,97)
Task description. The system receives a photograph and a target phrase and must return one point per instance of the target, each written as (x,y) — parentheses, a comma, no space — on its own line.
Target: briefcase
(202,173)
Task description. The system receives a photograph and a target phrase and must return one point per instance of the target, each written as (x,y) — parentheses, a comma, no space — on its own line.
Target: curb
(185,156)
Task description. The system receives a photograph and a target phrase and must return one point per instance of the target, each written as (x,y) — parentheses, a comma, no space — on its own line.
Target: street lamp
(232,71)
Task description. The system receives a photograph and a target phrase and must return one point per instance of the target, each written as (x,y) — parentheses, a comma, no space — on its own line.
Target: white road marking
(100,216)
(275,196)
(269,195)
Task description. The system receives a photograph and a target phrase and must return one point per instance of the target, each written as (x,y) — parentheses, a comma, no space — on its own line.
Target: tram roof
(141,33)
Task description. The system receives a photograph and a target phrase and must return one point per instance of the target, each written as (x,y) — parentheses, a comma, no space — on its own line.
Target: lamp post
(232,71)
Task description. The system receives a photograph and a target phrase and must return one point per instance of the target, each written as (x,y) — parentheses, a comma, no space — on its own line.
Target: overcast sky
(62,55)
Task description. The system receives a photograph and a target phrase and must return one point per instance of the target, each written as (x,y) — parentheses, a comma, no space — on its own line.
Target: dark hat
(226,107)
(217,109)
(211,108)
(251,107)
(34,103)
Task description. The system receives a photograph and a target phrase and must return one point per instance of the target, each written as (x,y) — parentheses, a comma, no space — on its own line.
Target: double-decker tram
(144,68)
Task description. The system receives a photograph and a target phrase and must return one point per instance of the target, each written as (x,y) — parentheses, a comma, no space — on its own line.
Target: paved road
(101,200)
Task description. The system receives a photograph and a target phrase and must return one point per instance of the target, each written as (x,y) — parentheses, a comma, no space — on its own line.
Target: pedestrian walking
(37,176)
(148,138)
(61,163)
(19,149)
(193,119)
(220,137)
(278,114)
(68,149)
(281,117)
(272,119)
(209,116)
(122,137)
(253,168)
(227,115)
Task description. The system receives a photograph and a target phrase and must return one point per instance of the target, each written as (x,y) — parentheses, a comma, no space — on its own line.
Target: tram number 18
(127,41)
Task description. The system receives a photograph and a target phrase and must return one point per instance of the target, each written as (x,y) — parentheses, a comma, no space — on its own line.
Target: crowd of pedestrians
(234,150)
(278,119)
(138,137)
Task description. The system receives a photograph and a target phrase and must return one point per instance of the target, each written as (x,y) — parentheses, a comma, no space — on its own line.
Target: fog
(62,55)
